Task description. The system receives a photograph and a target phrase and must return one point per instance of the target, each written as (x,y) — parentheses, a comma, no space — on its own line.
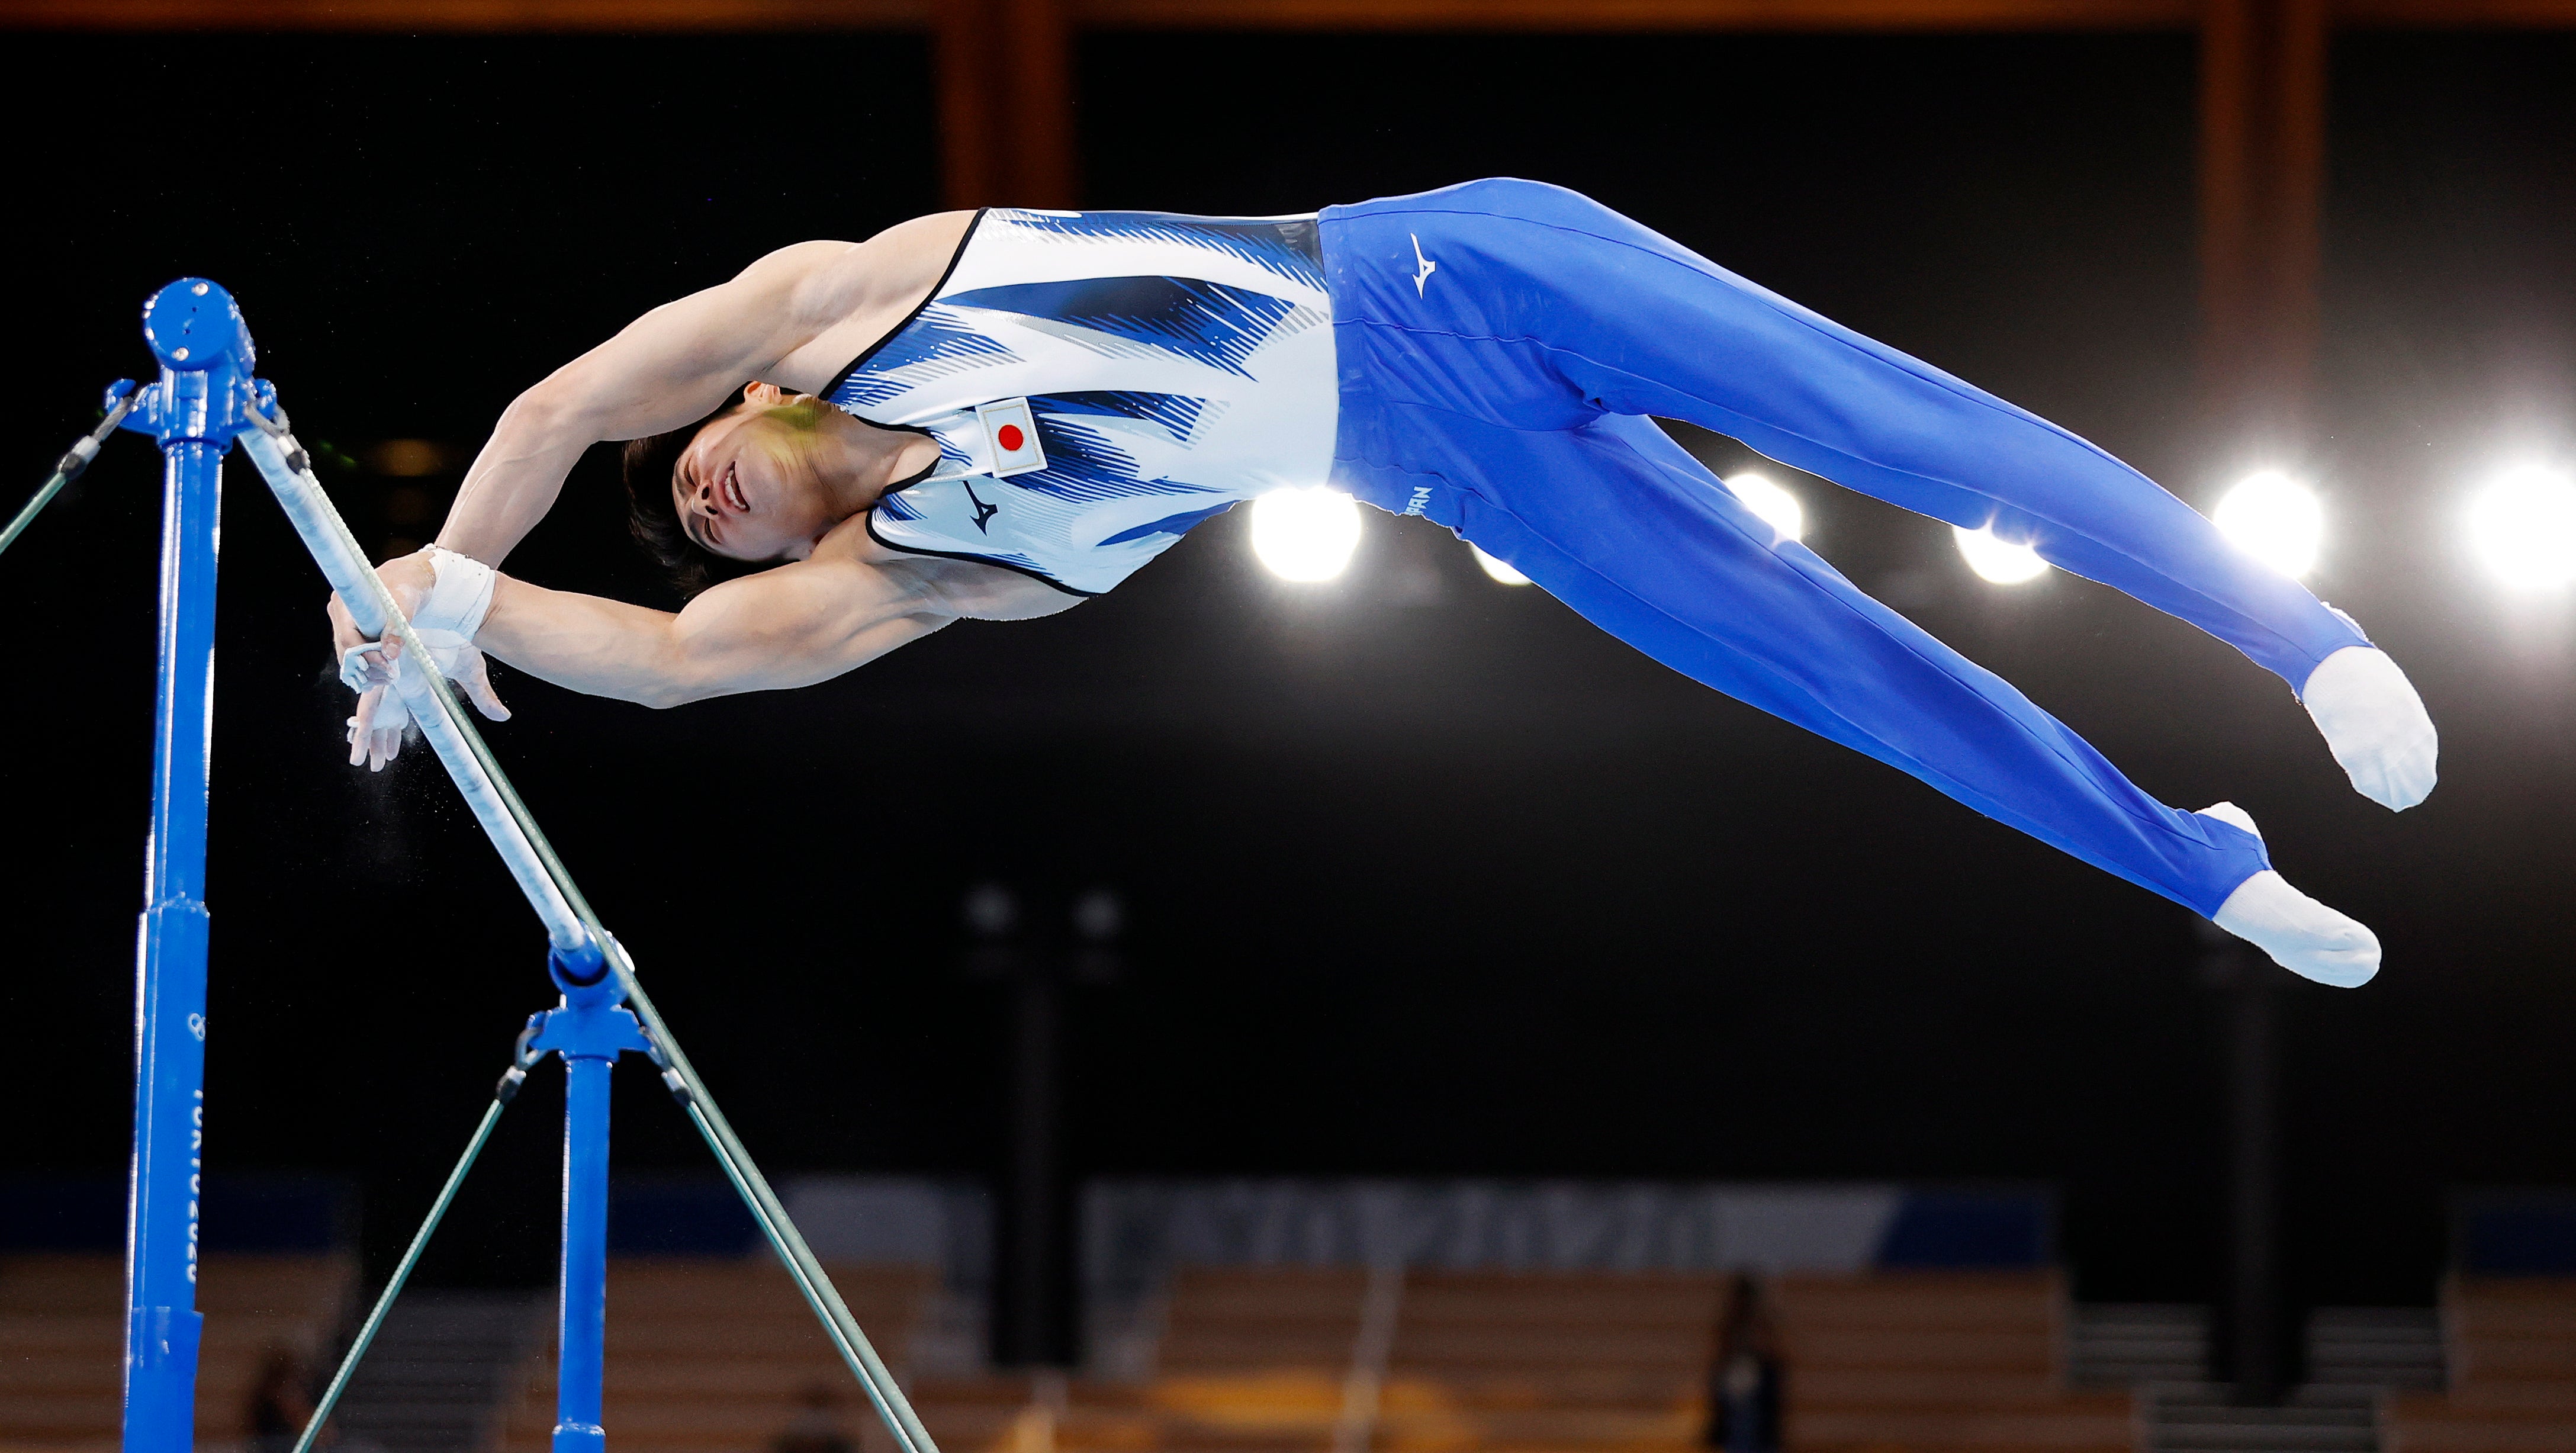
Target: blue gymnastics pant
(1501,345)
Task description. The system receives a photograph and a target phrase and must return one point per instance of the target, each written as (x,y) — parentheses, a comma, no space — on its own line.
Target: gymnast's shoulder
(834,299)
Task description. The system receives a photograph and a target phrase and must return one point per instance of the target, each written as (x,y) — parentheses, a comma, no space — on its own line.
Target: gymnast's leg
(1617,521)
(1560,290)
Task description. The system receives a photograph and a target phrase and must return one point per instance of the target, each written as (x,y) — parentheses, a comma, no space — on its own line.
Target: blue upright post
(589,1031)
(194,411)
(583,1327)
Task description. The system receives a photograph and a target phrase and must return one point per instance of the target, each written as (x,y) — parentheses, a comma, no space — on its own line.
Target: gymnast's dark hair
(648,465)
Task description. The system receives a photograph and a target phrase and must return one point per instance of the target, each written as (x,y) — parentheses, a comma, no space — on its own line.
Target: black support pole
(2249,991)
(1035,1329)
(1040,959)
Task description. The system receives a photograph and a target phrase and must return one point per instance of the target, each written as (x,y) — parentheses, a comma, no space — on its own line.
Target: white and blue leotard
(1493,356)
(1173,367)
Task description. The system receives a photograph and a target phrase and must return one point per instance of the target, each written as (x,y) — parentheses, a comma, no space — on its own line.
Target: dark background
(1426,875)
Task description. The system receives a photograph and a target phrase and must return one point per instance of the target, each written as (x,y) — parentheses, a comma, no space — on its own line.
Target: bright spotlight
(1498,569)
(2275,519)
(1999,561)
(1305,534)
(1778,508)
(2523,527)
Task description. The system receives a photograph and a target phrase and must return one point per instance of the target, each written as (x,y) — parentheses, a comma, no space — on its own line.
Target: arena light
(1499,570)
(1305,534)
(1778,508)
(2522,527)
(2275,519)
(1999,561)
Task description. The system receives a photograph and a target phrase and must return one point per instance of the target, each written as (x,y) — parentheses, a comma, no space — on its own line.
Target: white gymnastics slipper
(2299,933)
(2375,725)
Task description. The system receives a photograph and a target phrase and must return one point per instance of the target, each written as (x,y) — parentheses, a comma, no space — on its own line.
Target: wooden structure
(1335,1359)
(1931,1362)
(1008,102)
(720,1355)
(2511,1345)
(62,1340)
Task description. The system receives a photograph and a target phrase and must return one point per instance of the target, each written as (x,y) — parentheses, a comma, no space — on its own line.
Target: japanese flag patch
(1012,434)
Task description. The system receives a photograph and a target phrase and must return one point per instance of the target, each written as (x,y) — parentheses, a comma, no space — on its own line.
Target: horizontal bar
(549,886)
(424,691)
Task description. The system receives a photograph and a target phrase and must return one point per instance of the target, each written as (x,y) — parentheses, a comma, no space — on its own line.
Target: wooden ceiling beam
(1006,105)
(503,17)
(2457,14)
(2262,184)
(1008,119)
(1563,16)
(466,17)
(1665,16)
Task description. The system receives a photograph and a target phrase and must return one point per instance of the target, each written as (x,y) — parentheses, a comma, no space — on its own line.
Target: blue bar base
(193,412)
(589,1030)
(161,1379)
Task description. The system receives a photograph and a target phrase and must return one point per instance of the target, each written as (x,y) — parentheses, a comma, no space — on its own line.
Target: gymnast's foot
(2301,934)
(2375,725)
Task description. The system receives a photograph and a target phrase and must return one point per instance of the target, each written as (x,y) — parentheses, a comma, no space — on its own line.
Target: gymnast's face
(754,485)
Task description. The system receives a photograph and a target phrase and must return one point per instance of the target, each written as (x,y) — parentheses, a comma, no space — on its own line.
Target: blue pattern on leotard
(1173,366)
(1287,247)
(1206,321)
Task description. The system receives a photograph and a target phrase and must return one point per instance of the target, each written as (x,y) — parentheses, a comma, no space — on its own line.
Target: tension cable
(120,402)
(502,1095)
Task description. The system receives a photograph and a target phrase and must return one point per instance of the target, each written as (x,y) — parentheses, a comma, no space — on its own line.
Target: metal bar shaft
(550,889)
(432,704)
(163,1325)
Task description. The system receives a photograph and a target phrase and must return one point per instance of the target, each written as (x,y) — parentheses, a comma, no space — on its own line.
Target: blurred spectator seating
(717,1354)
(1252,1360)
(2512,1353)
(712,1356)
(62,1339)
(1934,1361)
(1550,1360)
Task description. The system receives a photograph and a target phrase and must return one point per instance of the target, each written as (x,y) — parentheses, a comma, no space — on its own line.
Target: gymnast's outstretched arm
(792,318)
(789,626)
(796,624)
(789,318)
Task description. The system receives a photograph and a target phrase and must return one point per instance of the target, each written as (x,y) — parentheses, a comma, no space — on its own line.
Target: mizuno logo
(983,511)
(1423,267)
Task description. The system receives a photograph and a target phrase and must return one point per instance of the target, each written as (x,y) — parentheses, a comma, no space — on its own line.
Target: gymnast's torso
(1098,383)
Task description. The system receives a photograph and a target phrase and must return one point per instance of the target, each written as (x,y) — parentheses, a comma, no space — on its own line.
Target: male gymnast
(997,415)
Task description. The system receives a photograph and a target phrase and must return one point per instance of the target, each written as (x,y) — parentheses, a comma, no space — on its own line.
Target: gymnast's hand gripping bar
(423,690)
(580,942)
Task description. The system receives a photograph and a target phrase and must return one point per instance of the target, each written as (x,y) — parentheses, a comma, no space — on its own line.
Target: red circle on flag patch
(1010,438)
